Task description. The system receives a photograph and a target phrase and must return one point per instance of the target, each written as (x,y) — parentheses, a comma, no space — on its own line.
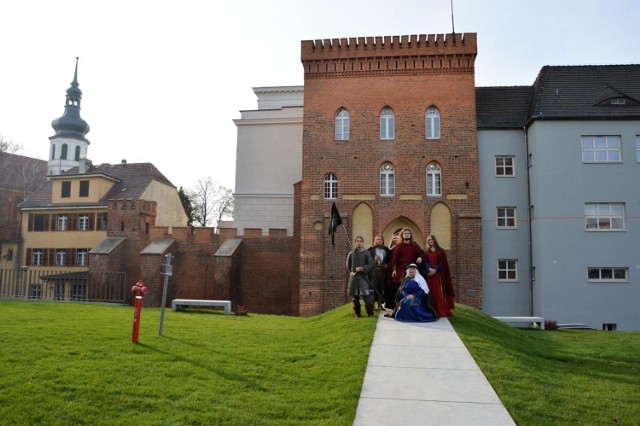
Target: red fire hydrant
(138,290)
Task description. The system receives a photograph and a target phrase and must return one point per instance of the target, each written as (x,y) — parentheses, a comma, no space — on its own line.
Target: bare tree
(17,171)
(8,146)
(210,202)
(19,177)
(32,173)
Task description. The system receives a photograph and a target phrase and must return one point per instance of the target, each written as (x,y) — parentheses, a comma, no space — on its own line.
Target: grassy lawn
(563,377)
(68,364)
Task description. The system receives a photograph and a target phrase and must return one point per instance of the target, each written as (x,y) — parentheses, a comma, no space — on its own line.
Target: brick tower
(389,135)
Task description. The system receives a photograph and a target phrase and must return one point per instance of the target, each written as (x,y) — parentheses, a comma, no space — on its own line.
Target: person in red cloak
(404,253)
(438,277)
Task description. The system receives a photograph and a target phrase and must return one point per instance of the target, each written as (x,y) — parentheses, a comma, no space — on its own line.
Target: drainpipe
(530,236)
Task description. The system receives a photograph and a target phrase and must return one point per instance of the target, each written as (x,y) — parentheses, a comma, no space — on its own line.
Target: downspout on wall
(530,209)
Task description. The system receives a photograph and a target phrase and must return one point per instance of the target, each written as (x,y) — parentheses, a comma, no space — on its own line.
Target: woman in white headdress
(415,303)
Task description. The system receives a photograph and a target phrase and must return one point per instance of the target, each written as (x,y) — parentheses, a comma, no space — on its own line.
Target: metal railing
(103,287)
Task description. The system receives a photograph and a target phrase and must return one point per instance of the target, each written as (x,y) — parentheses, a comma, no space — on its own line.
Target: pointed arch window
(387,180)
(342,125)
(387,124)
(432,123)
(330,186)
(434,180)
(63,153)
(77,154)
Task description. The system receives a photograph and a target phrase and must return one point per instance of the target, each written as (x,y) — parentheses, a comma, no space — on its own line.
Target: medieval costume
(411,309)
(359,286)
(403,255)
(440,283)
(379,273)
(414,302)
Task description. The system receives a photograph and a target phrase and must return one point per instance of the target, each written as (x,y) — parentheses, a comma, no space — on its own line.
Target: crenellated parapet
(389,55)
(131,204)
(185,234)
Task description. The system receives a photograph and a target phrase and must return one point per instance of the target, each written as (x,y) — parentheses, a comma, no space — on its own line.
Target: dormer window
(618,101)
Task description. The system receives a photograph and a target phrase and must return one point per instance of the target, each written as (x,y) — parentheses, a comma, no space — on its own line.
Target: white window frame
(83,222)
(62,222)
(502,168)
(601,149)
(604,217)
(342,125)
(508,269)
(506,217)
(608,274)
(638,148)
(330,186)
(37,257)
(35,291)
(79,292)
(59,291)
(434,180)
(387,180)
(387,124)
(432,123)
(82,257)
(61,256)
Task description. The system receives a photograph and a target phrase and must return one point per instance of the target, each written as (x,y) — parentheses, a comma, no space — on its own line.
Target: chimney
(84,165)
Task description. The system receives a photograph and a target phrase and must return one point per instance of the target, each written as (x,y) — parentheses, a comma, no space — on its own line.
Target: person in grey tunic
(359,264)
(380,273)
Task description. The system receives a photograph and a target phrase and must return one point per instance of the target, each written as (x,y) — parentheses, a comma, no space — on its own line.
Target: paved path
(422,374)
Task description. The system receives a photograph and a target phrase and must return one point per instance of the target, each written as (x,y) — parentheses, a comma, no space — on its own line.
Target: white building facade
(268,160)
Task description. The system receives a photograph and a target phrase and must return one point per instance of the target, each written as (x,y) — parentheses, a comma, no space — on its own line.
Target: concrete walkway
(422,374)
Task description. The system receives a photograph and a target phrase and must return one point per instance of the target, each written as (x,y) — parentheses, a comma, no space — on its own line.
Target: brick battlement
(390,46)
(204,235)
(389,55)
(142,206)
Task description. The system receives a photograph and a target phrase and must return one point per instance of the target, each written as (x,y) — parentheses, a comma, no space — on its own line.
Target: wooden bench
(177,303)
(523,320)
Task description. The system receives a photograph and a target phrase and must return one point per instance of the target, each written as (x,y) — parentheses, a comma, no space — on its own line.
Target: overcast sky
(163,80)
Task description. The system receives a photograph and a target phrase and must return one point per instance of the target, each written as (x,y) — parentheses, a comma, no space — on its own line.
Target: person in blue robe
(414,304)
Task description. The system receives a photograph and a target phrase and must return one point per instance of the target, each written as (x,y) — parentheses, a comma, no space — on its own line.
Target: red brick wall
(132,219)
(260,274)
(265,275)
(407,74)
(9,214)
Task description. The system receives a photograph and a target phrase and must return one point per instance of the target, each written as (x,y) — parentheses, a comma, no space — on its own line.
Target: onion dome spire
(71,125)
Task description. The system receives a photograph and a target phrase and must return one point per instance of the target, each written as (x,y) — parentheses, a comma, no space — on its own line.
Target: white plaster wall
(269,160)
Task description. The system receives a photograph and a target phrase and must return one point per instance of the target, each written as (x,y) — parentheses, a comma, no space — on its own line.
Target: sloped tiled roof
(562,92)
(579,91)
(503,107)
(17,168)
(131,180)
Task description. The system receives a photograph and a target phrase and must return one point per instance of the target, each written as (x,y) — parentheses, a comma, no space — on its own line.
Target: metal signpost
(168,271)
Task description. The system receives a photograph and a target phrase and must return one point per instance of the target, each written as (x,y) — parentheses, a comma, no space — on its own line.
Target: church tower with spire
(68,146)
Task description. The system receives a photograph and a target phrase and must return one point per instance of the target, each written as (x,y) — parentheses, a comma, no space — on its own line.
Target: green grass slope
(64,363)
(563,377)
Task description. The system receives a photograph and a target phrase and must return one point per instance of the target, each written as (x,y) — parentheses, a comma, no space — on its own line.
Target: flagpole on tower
(347,235)
(453,27)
